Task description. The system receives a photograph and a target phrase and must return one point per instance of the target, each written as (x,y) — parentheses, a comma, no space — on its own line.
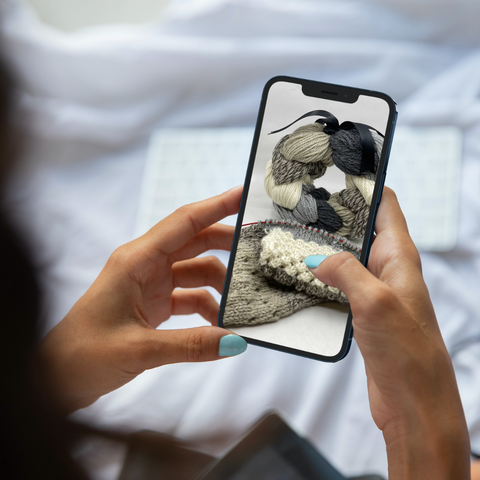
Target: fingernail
(231,345)
(313,261)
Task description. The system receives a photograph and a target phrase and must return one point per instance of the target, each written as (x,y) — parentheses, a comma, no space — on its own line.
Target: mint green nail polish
(313,261)
(231,345)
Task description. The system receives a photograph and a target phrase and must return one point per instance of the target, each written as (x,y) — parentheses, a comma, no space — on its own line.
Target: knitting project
(304,155)
(270,279)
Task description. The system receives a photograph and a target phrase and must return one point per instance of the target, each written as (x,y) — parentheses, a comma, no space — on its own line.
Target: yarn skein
(303,156)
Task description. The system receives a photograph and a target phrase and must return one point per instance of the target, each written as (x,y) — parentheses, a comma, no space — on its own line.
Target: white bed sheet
(93,98)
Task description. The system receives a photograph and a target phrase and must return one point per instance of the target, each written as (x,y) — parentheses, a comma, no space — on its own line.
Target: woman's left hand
(109,337)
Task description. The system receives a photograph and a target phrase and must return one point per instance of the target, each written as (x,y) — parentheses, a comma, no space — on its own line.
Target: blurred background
(133,108)
(73,14)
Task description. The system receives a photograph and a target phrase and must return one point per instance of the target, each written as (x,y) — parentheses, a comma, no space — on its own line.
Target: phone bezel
(338,93)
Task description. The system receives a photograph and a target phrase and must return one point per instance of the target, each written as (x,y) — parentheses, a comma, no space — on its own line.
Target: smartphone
(313,185)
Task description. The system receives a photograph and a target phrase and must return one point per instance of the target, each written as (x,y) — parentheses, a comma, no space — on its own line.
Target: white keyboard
(187,165)
(424,171)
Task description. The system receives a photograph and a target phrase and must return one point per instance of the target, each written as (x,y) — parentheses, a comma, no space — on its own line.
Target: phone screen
(313,184)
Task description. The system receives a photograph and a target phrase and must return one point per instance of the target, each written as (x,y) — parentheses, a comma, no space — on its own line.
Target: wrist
(433,445)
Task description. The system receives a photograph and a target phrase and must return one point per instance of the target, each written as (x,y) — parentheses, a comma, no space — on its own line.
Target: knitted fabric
(282,258)
(303,156)
(269,281)
(253,298)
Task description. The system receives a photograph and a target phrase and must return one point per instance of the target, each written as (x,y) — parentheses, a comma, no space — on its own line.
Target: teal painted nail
(231,345)
(313,261)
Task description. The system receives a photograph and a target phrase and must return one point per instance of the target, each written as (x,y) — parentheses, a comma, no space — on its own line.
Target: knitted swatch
(282,258)
(269,281)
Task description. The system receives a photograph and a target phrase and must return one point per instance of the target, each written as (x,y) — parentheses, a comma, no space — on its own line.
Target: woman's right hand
(412,389)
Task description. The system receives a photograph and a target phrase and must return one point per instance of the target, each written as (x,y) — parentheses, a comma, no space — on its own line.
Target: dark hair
(34,442)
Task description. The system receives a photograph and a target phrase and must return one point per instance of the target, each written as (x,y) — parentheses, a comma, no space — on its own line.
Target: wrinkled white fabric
(93,98)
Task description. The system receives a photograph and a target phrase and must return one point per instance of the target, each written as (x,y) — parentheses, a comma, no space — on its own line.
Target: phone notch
(330,92)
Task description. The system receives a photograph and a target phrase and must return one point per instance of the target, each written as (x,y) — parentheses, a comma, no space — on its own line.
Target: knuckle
(139,353)
(203,296)
(189,213)
(415,257)
(344,261)
(119,256)
(383,298)
(214,264)
(195,345)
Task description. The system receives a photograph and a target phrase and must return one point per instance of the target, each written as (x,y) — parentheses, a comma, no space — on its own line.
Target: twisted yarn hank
(288,194)
(313,210)
(304,155)
(308,144)
(287,170)
(347,150)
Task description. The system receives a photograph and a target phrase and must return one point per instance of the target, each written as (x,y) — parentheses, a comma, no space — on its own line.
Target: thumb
(200,344)
(345,272)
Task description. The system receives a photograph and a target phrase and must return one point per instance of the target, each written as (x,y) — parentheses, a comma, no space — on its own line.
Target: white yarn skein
(286,195)
(363,184)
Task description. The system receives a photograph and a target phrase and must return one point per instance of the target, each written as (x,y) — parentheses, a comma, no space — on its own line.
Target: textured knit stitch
(282,258)
(254,298)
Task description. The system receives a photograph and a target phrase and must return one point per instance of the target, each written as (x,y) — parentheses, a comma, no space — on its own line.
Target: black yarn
(347,151)
(328,219)
(320,194)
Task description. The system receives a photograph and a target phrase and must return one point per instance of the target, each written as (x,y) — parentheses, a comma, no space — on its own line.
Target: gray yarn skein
(347,151)
(312,210)
(301,152)
(306,152)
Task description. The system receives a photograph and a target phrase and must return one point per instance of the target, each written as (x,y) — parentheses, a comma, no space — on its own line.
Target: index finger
(182,225)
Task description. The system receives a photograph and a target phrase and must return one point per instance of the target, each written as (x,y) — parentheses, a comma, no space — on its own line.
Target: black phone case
(338,93)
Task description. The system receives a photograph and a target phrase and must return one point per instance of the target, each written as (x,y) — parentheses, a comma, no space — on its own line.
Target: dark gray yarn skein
(347,150)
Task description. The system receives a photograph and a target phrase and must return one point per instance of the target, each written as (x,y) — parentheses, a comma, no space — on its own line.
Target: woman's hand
(412,389)
(476,470)
(109,336)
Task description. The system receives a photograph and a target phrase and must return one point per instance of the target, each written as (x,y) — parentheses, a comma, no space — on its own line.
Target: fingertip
(313,261)
(231,345)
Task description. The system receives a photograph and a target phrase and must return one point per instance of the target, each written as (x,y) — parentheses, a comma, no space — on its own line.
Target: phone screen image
(313,184)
